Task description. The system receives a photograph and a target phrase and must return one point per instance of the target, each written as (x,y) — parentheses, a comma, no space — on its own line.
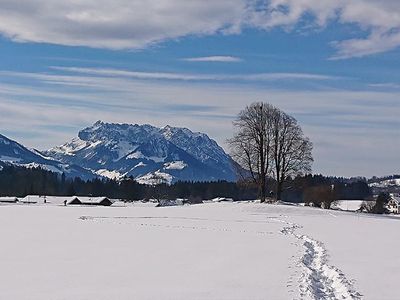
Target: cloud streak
(217,58)
(195,77)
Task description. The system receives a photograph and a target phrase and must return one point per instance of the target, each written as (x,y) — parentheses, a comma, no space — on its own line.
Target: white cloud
(386,85)
(216,58)
(193,77)
(117,24)
(380,19)
(133,24)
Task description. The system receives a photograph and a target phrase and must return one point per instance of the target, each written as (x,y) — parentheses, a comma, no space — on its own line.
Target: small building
(393,205)
(8,199)
(46,200)
(74,201)
(95,201)
(31,199)
(168,202)
(63,200)
(222,199)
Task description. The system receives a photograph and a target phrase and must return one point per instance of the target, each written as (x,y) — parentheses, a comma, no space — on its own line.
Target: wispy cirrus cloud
(215,58)
(386,85)
(195,77)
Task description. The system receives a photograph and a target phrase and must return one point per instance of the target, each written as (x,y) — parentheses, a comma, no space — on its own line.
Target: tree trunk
(278,190)
(262,190)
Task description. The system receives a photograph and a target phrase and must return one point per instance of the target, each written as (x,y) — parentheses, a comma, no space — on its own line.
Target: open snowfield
(208,251)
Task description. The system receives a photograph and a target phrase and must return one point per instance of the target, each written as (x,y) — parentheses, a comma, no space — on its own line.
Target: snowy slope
(386,183)
(145,152)
(219,251)
(13,153)
(347,205)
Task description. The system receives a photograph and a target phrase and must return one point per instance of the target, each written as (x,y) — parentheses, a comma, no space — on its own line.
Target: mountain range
(13,153)
(149,154)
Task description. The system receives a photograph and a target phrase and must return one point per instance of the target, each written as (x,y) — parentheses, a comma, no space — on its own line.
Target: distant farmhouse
(59,200)
(393,204)
(8,199)
(98,201)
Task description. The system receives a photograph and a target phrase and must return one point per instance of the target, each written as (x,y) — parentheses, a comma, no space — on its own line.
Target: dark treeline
(344,188)
(19,181)
(322,191)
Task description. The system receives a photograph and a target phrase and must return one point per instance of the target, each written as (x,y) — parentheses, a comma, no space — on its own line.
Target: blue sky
(334,66)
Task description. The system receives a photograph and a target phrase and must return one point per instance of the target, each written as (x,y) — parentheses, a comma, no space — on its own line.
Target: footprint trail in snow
(318,279)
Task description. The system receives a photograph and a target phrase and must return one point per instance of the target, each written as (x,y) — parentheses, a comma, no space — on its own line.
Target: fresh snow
(109,174)
(50,200)
(44,167)
(155,178)
(135,155)
(41,154)
(9,159)
(347,205)
(141,164)
(122,148)
(206,251)
(386,183)
(156,159)
(175,165)
(74,145)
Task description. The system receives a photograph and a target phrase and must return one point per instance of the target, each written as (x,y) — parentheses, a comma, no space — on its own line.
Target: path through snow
(318,279)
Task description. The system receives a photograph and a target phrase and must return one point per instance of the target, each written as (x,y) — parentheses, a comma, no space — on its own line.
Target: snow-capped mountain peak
(143,150)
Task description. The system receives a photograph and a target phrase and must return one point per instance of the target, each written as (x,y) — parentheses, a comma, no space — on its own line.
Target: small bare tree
(268,142)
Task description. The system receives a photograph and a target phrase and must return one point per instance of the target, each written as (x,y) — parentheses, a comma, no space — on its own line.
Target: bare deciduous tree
(252,144)
(292,151)
(268,142)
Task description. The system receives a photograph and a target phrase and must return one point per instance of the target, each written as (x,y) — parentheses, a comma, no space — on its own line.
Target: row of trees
(19,181)
(321,191)
(269,143)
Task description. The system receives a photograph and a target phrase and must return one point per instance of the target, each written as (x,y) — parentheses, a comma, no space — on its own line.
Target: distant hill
(13,153)
(390,184)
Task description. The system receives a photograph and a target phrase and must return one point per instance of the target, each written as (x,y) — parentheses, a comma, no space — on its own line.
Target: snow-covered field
(347,205)
(208,251)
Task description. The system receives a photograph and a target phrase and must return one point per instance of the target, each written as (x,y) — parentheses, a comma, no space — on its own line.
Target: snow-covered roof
(8,199)
(222,199)
(59,200)
(92,199)
(49,199)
